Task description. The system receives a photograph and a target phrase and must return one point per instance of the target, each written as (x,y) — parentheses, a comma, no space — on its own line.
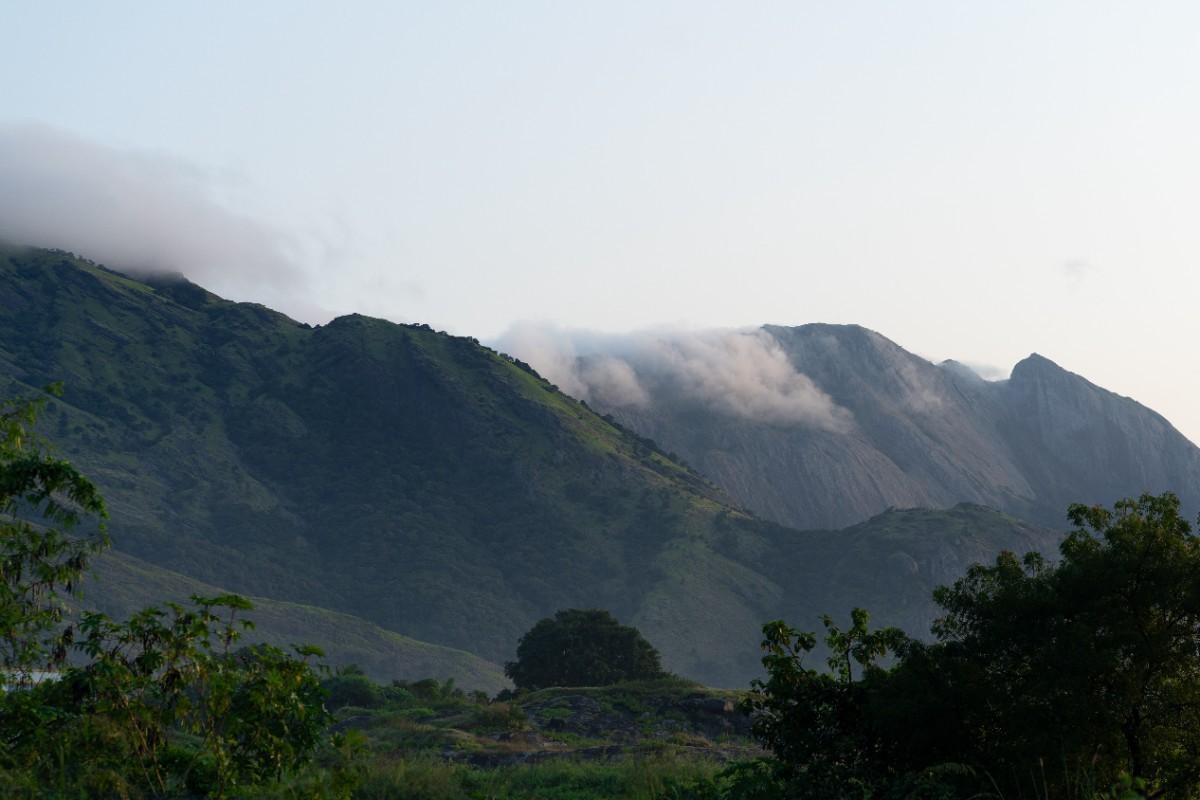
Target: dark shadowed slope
(891,563)
(121,584)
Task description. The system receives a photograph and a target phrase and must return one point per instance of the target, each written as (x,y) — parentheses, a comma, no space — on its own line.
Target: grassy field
(428,740)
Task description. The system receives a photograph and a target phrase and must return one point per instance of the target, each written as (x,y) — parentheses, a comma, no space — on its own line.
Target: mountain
(926,435)
(406,477)
(891,563)
(393,480)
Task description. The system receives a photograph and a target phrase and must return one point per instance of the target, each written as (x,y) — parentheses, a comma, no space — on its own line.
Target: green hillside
(120,584)
(409,478)
(891,563)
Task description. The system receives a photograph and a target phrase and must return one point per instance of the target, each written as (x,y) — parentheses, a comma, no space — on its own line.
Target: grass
(429,740)
(427,779)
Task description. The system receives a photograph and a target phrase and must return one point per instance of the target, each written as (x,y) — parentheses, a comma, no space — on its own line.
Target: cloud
(1077,270)
(136,212)
(976,369)
(739,373)
(612,382)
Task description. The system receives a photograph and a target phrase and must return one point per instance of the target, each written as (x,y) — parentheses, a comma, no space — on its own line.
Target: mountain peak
(842,332)
(1036,368)
(1036,361)
(837,341)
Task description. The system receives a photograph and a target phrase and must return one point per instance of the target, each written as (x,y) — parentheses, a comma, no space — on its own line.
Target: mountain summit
(930,436)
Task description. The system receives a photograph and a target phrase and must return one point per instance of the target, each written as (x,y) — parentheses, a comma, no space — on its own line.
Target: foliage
(42,498)
(812,720)
(579,647)
(429,740)
(632,779)
(162,704)
(352,688)
(1046,679)
(1093,659)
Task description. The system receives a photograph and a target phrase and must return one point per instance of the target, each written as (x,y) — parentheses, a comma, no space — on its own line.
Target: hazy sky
(974,180)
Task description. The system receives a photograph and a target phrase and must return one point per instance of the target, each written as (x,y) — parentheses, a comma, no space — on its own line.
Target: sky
(973,180)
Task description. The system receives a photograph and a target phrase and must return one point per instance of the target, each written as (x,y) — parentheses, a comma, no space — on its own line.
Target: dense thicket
(1045,677)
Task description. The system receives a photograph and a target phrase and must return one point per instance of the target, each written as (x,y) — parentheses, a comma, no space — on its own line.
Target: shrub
(352,690)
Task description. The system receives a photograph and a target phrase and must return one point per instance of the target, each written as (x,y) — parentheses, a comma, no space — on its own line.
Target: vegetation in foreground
(1045,680)
(168,704)
(162,704)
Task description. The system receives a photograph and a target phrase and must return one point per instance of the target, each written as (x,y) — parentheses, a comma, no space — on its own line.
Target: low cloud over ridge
(742,373)
(137,212)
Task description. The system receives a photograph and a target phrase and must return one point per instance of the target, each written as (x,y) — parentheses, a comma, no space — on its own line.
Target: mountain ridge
(927,435)
(417,480)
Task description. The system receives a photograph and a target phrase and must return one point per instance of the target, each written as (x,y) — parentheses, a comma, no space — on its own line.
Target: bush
(500,717)
(352,690)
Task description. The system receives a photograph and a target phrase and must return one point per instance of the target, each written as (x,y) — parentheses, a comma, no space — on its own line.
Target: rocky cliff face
(928,435)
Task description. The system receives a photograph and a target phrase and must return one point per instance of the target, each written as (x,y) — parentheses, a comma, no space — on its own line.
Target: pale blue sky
(973,180)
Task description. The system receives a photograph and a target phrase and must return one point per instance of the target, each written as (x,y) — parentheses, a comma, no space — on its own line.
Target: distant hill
(120,584)
(891,563)
(421,483)
(927,435)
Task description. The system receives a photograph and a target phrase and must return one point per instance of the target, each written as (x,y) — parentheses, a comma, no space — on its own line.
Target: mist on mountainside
(739,373)
(146,213)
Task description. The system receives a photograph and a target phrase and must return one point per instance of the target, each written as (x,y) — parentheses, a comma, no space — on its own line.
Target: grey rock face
(926,435)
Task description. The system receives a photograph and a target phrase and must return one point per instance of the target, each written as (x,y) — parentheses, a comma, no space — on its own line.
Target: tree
(815,721)
(1093,660)
(582,648)
(42,500)
(1061,678)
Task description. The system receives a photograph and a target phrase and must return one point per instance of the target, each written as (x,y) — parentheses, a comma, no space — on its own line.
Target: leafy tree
(1093,660)
(165,706)
(579,647)
(1045,679)
(814,721)
(42,499)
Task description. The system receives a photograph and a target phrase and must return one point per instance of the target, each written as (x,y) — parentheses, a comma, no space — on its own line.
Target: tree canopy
(582,647)
(1067,676)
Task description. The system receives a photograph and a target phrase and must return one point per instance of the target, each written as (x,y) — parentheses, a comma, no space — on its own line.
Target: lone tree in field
(579,647)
